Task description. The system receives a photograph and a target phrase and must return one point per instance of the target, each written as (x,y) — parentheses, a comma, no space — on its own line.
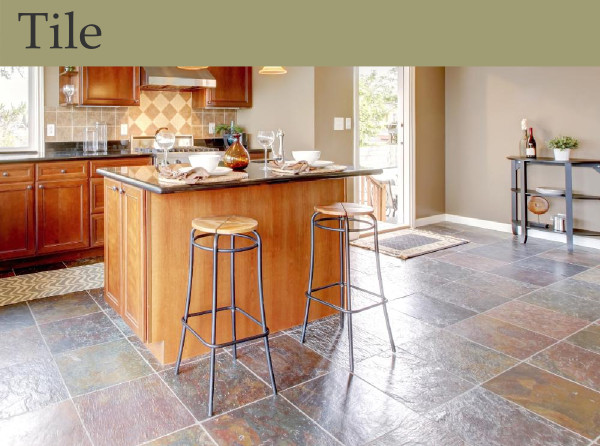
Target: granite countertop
(66,155)
(145,177)
(549,160)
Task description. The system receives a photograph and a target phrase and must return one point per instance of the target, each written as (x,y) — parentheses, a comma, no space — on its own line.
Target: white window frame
(36,115)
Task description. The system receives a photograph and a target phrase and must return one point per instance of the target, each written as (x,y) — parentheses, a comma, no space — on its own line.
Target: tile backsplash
(157,109)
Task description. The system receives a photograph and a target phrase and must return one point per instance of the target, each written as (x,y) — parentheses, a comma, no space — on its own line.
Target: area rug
(408,243)
(50,283)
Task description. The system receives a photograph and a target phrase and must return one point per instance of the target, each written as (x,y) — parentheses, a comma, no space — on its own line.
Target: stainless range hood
(176,79)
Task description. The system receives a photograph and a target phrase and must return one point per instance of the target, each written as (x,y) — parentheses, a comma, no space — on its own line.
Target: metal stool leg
(310,274)
(211,390)
(348,291)
(234,346)
(262,312)
(385,313)
(341,273)
(187,302)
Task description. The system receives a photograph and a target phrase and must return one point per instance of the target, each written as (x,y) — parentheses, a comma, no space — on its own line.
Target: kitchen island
(147,230)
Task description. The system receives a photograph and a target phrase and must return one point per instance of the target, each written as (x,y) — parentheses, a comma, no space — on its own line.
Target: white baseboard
(589,242)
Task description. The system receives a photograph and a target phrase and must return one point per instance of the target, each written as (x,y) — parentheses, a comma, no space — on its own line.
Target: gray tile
(466,297)
(22,345)
(485,419)
(119,322)
(578,288)
(580,256)
(98,296)
(526,275)
(191,436)
(546,265)
(431,310)
(564,303)
(446,271)
(502,286)
(468,260)
(592,275)
(15,316)
(50,309)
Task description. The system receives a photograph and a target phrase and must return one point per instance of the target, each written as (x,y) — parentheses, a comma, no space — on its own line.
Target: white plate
(321,163)
(215,173)
(549,190)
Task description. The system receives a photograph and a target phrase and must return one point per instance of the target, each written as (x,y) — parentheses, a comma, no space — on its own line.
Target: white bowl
(306,155)
(208,161)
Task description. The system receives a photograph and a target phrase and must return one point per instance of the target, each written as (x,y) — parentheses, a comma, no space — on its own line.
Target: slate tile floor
(497,344)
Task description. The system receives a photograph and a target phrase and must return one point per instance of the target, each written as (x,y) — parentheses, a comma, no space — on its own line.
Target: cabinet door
(63,215)
(133,257)
(110,86)
(112,243)
(234,89)
(97,230)
(17,220)
(96,195)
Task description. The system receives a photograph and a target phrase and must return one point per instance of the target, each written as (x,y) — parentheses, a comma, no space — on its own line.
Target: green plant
(563,143)
(225,128)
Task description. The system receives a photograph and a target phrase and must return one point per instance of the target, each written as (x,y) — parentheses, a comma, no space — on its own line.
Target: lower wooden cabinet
(124,253)
(17,220)
(96,230)
(63,218)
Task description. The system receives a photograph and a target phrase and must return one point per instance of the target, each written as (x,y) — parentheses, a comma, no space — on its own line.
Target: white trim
(356,130)
(589,242)
(409,143)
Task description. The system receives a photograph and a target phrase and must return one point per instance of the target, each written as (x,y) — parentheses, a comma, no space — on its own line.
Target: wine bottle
(531,146)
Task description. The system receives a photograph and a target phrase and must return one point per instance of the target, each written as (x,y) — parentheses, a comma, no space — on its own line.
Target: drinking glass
(165,141)
(277,151)
(69,90)
(265,139)
(90,141)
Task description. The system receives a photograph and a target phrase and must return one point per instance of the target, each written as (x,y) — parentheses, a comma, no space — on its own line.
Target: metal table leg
(569,204)
(514,196)
(523,236)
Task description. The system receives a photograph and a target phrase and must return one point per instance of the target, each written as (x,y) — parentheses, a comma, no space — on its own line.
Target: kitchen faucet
(280,135)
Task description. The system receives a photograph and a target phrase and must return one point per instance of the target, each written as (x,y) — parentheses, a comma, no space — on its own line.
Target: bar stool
(236,228)
(344,214)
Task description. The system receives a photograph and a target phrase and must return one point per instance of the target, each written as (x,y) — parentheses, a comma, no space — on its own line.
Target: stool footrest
(229,307)
(337,307)
(223,344)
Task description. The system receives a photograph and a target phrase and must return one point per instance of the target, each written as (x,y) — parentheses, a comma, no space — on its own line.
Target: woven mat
(231,176)
(328,169)
(408,243)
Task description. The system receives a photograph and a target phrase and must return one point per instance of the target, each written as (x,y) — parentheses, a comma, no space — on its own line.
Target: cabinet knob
(41,186)
(4,174)
(29,187)
(63,171)
(122,191)
(114,188)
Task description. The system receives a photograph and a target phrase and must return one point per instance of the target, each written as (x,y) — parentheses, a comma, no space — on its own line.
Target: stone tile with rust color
(503,286)
(192,436)
(347,407)
(415,382)
(132,413)
(467,260)
(579,288)
(460,356)
(98,296)
(77,332)
(431,310)
(483,418)
(29,386)
(15,316)
(21,345)
(502,336)
(571,405)
(65,306)
(293,362)
(119,322)
(235,386)
(550,266)
(571,362)
(581,256)
(538,319)
(99,366)
(147,355)
(447,271)
(467,297)
(588,338)
(568,304)
(269,421)
(57,424)
(526,275)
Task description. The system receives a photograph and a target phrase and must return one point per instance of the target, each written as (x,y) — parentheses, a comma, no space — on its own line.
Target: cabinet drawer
(97,230)
(96,195)
(14,173)
(68,170)
(98,164)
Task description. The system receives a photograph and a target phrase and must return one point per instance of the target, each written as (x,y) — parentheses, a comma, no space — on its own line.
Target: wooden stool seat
(227,224)
(344,209)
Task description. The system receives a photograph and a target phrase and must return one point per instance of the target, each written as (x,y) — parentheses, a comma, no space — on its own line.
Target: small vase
(236,156)
(562,155)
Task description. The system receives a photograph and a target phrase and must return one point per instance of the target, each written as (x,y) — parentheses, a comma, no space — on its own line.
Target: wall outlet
(50,130)
(338,123)
(124,130)
(348,123)
(211,128)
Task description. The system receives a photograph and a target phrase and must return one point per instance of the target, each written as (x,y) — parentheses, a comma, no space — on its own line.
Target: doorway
(382,140)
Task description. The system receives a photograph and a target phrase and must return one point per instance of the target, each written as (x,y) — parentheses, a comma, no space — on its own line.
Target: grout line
(166,435)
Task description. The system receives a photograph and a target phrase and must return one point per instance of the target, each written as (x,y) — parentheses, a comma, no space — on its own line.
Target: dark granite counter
(145,177)
(65,155)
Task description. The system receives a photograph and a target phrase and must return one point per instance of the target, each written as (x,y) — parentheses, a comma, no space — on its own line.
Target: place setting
(203,168)
(304,162)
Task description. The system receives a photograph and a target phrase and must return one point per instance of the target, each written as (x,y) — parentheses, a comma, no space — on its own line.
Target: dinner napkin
(298,167)
(192,176)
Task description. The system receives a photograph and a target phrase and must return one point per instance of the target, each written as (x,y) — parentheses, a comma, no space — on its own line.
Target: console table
(519,163)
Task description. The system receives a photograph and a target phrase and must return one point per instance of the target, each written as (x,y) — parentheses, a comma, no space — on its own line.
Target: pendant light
(192,68)
(272,70)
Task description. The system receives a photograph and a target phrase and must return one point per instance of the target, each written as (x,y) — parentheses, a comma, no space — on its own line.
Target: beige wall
(51,86)
(282,101)
(429,141)
(484,107)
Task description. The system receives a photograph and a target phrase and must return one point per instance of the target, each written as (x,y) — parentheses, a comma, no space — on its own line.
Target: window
(21,109)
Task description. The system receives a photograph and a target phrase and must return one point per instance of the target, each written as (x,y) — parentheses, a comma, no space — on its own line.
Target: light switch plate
(348,123)
(338,123)
(211,128)
(50,130)
(124,130)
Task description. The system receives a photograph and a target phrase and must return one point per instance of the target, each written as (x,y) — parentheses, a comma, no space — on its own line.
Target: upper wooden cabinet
(234,89)
(109,86)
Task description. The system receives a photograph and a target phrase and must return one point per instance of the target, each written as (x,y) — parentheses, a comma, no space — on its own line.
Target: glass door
(379,141)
